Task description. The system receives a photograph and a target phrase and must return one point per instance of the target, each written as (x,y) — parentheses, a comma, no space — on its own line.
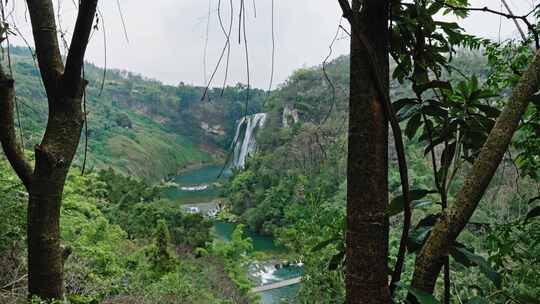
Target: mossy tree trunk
(53,156)
(367,174)
(444,233)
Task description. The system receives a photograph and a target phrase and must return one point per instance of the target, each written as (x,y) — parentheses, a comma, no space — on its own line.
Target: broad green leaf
(435,7)
(435,84)
(336,260)
(420,233)
(474,83)
(483,265)
(535,99)
(489,110)
(448,156)
(325,243)
(535,212)
(459,256)
(433,110)
(399,104)
(429,220)
(421,296)
(534,199)
(408,111)
(412,125)
(417,238)
(397,204)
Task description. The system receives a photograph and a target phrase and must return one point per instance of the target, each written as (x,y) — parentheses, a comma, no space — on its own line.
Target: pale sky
(167,37)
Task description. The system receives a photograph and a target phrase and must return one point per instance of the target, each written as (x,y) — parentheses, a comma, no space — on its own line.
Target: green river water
(205,177)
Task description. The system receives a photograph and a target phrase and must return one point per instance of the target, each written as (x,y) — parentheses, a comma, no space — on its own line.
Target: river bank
(198,191)
(269,265)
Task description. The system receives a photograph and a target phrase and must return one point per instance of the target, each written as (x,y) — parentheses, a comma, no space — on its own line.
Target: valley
(214,200)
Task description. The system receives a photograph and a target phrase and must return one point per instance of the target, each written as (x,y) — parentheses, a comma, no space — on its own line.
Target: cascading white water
(245,147)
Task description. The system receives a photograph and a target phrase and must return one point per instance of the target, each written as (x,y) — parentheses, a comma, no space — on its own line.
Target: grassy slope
(155,146)
(147,150)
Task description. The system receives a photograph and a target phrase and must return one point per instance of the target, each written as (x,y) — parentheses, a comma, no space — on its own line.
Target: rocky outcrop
(290,116)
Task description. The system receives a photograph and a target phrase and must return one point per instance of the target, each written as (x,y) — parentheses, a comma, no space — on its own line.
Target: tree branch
(8,137)
(521,32)
(346,8)
(46,43)
(452,222)
(77,50)
(485,9)
(523,18)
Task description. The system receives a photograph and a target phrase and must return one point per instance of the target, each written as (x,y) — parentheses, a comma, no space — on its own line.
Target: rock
(290,116)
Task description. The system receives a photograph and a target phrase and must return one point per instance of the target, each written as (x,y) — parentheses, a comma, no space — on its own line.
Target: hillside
(295,187)
(136,125)
(303,145)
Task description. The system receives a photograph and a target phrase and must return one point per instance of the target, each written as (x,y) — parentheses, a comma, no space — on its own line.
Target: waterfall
(245,146)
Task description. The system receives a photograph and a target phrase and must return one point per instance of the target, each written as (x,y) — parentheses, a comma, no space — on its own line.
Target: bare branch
(77,49)
(521,32)
(44,28)
(523,18)
(8,136)
(346,8)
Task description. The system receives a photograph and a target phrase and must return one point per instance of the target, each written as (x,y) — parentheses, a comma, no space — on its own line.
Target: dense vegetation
(126,244)
(136,125)
(422,189)
(295,188)
(129,244)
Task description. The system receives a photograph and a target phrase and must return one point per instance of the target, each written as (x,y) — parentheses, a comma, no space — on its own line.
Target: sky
(166,39)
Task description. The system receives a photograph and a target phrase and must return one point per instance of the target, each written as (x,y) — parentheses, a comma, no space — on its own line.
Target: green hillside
(295,187)
(136,125)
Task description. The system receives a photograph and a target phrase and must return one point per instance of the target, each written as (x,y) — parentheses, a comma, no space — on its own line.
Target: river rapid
(198,190)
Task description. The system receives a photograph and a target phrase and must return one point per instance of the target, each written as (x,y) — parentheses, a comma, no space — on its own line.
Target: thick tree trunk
(44,252)
(53,159)
(45,185)
(367,192)
(452,222)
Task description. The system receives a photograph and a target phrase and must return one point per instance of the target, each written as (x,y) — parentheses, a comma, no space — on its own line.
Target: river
(199,188)
(199,185)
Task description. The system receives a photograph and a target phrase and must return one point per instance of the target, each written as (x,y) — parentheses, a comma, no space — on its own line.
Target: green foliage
(122,120)
(13,205)
(122,232)
(138,126)
(236,254)
(294,188)
(514,250)
(317,239)
(135,206)
(160,257)
(105,264)
(417,200)
(421,297)
(507,61)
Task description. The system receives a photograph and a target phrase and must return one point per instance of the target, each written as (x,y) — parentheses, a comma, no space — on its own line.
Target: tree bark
(444,233)
(53,156)
(53,159)
(367,173)
(8,136)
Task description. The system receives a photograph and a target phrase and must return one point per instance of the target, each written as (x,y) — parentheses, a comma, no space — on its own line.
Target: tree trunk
(44,253)
(367,173)
(53,159)
(452,222)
